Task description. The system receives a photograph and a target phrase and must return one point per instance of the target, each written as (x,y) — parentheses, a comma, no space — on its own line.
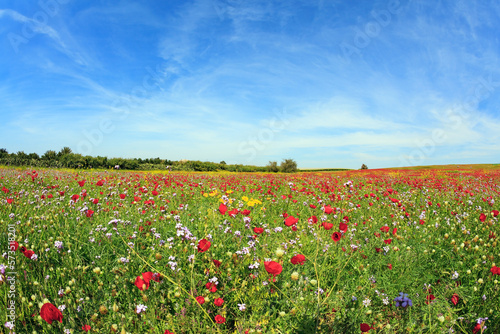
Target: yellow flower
(245,199)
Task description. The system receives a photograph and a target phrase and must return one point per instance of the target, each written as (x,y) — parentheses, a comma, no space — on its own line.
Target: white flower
(141,308)
(367,302)
(242,307)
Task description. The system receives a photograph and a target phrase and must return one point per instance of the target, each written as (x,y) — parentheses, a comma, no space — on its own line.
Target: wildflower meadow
(371,251)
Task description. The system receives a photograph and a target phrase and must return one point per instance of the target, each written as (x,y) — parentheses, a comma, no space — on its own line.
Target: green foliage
(272,167)
(288,166)
(65,158)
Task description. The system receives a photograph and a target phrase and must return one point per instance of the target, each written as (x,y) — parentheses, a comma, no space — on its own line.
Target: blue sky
(326,83)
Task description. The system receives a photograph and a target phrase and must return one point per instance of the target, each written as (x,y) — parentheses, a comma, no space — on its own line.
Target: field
(376,251)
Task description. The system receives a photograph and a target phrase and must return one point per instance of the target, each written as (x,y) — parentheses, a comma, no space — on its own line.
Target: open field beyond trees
(376,251)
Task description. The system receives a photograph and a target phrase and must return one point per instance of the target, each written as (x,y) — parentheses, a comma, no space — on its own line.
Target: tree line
(65,158)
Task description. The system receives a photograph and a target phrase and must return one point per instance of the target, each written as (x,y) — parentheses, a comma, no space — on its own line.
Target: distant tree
(65,150)
(33,156)
(288,166)
(49,155)
(363,166)
(222,162)
(272,167)
(3,152)
(22,155)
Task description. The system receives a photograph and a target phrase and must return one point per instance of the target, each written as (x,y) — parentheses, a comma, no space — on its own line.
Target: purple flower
(403,300)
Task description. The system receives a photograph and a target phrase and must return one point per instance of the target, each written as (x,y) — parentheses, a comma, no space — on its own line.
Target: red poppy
(273,268)
(343,227)
(86,328)
(220,319)
(336,236)
(95,200)
(122,196)
(454,299)
(222,208)
(99,183)
(327,226)
(313,220)
(245,212)
(298,259)
(13,245)
(81,183)
(389,266)
(258,230)
(75,197)
(388,241)
(89,213)
(476,329)
(233,212)
(482,217)
(495,270)
(495,213)
(364,327)
(217,263)
(211,287)
(200,300)
(327,209)
(154,193)
(168,332)
(9,200)
(312,206)
(394,231)
(291,220)
(384,229)
(430,298)
(218,302)
(137,199)
(28,253)
(203,245)
(49,313)
(142,281)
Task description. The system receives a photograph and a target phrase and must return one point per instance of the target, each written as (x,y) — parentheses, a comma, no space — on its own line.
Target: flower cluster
(403,300)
